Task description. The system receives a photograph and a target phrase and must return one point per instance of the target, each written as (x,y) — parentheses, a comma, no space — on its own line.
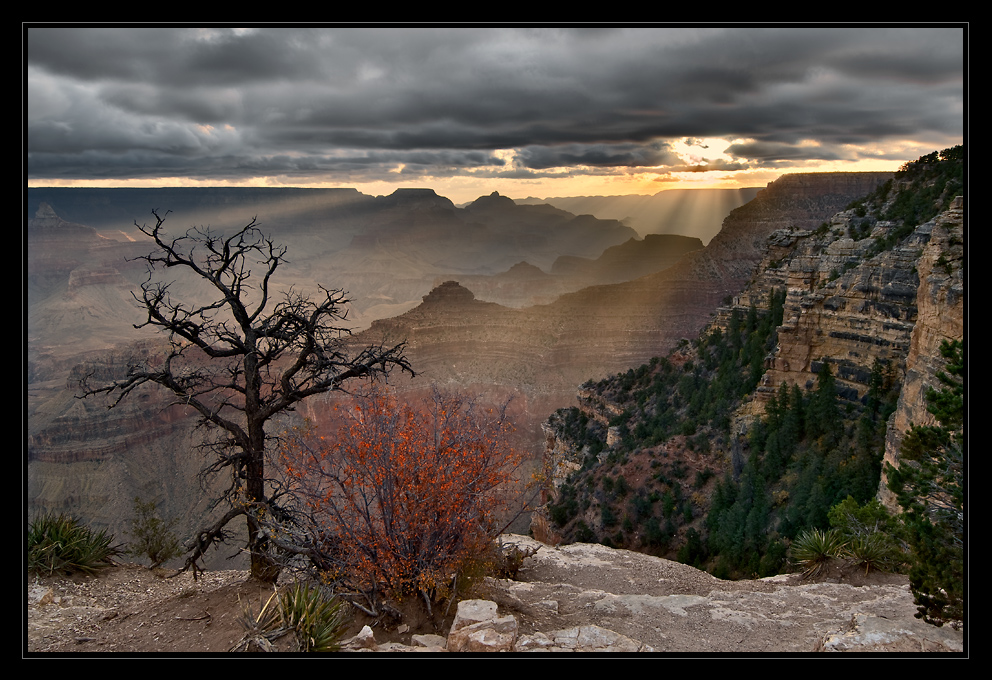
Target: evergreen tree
(929,486)
(823,416)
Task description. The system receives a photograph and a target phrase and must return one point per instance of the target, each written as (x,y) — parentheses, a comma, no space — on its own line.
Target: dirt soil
(128,608)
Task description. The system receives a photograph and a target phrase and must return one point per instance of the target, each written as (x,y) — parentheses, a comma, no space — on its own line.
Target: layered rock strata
(848,306)
(940,317)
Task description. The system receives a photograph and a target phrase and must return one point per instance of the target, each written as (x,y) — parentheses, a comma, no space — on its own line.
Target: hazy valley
(504,300)
(386,252)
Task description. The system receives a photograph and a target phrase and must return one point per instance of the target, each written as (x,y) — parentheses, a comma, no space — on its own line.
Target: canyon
(84,458)
(696,213)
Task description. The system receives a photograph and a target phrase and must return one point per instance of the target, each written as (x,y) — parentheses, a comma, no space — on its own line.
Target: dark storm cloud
(773,151)
(597,155)
(366,103)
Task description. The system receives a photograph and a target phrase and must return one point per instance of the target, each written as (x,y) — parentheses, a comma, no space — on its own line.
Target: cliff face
(863,292)
(940,318)
(842,307)
(850,308)
(799,201)
(896,307)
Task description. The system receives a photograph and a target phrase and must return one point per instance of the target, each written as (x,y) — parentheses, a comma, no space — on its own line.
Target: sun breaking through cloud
(496,108)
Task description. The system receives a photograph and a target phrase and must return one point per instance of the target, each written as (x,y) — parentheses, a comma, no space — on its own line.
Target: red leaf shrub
(403,496)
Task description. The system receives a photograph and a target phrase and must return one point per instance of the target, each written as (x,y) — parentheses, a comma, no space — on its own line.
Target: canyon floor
(661,605)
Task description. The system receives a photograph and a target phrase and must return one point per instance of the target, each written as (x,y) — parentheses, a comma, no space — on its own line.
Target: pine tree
(929,486)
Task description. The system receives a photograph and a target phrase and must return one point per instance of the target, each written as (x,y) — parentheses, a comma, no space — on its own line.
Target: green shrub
(813,549)
(872,552)
(153,537)
(583,533)
(61,543)
(868,530)
(703,476)
(319,621)
(607,516)
(852,519)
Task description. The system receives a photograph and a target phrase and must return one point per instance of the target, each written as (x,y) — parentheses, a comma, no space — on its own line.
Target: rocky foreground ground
(578,598)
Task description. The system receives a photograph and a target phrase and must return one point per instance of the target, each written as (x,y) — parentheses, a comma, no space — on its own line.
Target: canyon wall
(869,291)
(849,308)
(940,317)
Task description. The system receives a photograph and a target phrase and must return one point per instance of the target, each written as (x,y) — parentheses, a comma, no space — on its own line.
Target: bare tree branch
(239,360)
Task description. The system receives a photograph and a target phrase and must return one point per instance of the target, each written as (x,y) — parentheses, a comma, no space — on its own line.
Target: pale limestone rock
(593,639)
(872,633)
(534,643)
(364,640)
(434,642)
(473,611)
(477,628)
(492,635)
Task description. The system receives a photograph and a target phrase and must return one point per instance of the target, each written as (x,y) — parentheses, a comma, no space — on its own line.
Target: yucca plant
(814,548)
(319,621)
(873,552)
(61,543)
(261,628)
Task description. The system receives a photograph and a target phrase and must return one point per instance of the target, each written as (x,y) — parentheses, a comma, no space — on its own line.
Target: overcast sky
(528,112)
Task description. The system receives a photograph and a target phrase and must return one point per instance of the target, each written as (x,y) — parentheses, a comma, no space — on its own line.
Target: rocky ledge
(590,598)
(575,598)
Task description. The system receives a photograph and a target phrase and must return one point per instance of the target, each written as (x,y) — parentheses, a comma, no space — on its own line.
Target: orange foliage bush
(403,496)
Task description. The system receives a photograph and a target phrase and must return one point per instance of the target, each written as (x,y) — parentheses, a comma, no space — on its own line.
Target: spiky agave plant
(812,550)
(60,542)
(319,621)
(261,628)
(873,552)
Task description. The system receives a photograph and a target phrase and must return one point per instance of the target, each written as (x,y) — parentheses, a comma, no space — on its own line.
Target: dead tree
(240,358)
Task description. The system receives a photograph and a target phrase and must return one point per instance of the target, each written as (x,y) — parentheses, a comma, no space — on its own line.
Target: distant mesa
(692,212)
(629,260)
(115,209)
(524,271)
(492,202)
(449,293)
(45,213)
(414,197)
(47,223)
